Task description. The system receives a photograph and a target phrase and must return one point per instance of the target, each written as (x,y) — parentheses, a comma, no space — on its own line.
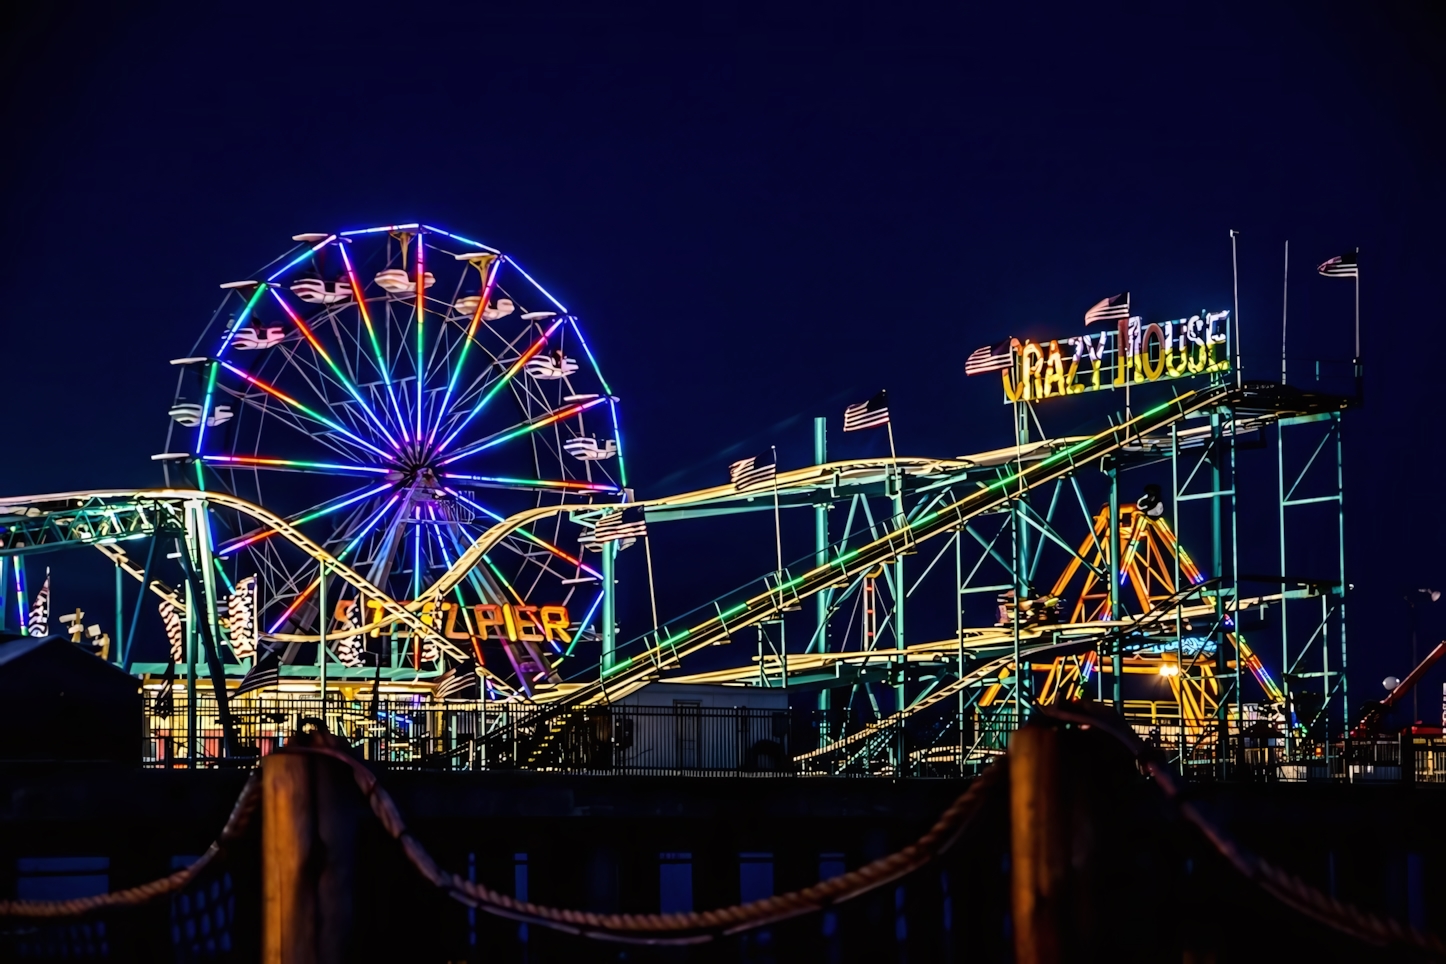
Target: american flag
(626,523)
(990,358)
(459,682)
(266,672)
(349,648)
(1109,309)
(175,633)
(166,697)
(1342,267)
(870,414)
(762,469)
(238,614)
(39,622)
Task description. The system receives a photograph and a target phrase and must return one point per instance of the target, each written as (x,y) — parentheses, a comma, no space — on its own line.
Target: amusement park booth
(672,727)
(64,703)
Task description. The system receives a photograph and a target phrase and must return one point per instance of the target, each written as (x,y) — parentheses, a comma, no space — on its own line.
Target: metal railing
(690,740)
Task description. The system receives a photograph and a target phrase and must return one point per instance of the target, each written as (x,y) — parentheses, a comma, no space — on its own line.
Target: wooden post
(1039,854)
(308,844)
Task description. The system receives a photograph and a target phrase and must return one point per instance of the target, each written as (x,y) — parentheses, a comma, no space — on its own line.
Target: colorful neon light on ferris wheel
(317,389)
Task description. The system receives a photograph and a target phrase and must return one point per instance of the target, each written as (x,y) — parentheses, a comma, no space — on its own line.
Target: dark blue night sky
(761,216)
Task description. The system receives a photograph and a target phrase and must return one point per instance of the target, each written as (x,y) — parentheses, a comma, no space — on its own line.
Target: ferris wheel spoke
(298,406)
(524,533)
(202,425)
(341,377)
(341,556)
(478,579)
(361,302)
(501,383)
(269,409)
(302,518)
(444,365)
(465,400)
(493,441)
(421,318)
(499,482)
(309,252)
(293,465)
(531,397)
(318,382)
(529,551)
(489,281)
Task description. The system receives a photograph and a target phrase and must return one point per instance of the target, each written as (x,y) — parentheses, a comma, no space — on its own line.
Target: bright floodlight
(1390,683)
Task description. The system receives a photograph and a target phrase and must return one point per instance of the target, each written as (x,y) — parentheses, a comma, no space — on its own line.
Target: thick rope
(691,928)
(1283,886)
(702,926)
(236,824)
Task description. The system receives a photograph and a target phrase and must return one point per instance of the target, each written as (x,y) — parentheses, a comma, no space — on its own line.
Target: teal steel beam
(206,639)
(609,607)
(136,613)
(672,515)
(119,610)
(189,635)
(824,600)
(1343,586)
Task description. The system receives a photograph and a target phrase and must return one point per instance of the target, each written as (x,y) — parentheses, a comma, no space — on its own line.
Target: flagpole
(652,595)
(1284,306)
(777,529)
(1357,365)
(893,455)
(1358,304)
(1235,288)
(901,520)
(898,495)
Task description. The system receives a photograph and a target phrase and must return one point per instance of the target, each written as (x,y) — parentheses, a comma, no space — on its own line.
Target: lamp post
(1412,598)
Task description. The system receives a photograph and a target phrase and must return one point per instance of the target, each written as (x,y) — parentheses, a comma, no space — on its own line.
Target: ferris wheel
(393,392)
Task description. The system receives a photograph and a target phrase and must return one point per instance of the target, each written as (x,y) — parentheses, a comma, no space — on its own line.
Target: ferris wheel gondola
(393,421)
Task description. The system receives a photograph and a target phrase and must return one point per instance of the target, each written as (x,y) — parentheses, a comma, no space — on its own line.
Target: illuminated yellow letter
(1032,360)
(1053,382)
(555,621)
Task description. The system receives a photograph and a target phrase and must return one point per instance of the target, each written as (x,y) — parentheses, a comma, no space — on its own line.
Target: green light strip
(844,558)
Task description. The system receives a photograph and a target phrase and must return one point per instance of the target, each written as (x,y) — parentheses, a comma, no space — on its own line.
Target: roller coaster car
(1033,611)
(1373,713)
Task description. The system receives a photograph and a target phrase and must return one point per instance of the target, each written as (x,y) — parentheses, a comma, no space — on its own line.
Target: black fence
(694,740)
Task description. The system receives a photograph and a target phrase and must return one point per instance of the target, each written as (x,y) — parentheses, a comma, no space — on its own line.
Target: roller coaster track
(105,518)
(1044,641)
(981,643)
(636,671)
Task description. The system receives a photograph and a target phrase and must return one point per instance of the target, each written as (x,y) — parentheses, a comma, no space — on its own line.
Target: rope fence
(698,927)
(1283,886)
(234,828)
(694,927)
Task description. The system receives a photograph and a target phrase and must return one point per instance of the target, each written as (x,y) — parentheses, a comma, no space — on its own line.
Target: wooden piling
(308,843)
(1039,851)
